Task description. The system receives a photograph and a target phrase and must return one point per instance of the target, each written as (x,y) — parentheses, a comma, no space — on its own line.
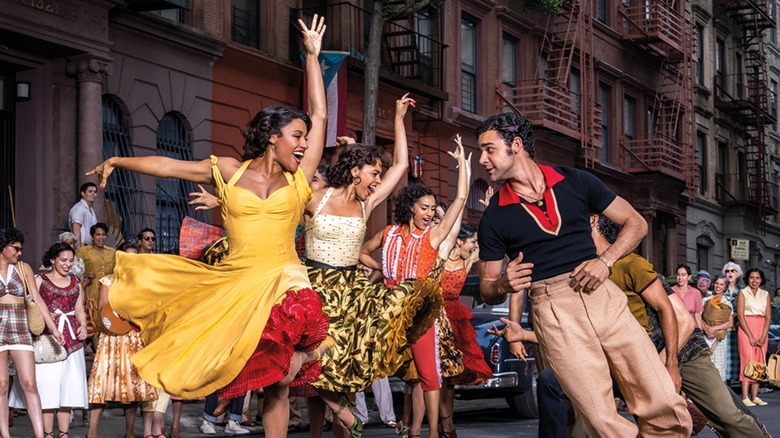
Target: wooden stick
(11,201)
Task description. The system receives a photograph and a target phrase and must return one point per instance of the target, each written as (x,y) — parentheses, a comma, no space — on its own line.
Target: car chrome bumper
(499,380)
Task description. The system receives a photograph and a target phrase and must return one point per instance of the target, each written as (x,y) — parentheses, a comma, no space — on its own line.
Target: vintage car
(513,379)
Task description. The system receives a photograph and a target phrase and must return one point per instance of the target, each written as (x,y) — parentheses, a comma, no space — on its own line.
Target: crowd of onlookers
(735,312)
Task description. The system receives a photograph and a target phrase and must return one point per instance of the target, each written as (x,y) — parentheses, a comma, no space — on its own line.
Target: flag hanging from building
(334,78)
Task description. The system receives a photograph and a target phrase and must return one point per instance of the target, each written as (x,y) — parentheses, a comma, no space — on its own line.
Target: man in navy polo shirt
(540,219)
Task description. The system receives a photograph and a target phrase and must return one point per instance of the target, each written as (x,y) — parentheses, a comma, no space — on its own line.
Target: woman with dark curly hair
(410,250)
(15,336)
(62,385)
(371,325)
(250,321)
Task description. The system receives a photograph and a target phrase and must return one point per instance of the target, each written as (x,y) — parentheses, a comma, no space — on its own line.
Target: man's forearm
(668,322)
(491,291)
(629,238)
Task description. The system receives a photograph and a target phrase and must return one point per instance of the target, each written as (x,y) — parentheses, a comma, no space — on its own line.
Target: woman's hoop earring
(357,180)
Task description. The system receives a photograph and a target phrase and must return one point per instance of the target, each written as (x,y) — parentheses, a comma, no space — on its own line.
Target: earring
(357,181)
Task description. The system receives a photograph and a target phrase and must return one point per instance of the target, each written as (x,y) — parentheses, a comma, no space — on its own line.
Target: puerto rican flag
(334,77)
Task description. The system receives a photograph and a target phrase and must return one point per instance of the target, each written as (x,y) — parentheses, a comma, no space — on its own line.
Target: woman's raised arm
(315,97)
(400,155)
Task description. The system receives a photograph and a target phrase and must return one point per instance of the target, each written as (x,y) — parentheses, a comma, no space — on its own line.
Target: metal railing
(656,19)
(406,52)
(656,154)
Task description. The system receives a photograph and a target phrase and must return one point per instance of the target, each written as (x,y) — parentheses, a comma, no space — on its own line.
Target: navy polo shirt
(553,234)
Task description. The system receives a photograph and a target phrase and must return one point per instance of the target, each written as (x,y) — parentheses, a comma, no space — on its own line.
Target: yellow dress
(200,324)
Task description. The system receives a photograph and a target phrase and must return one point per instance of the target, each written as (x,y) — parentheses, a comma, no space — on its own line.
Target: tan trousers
(584,337)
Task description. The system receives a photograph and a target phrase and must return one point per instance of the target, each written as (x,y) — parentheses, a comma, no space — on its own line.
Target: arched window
(477,193)
(173,142)
(125,203)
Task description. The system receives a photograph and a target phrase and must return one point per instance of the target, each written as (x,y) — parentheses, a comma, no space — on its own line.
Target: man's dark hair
(146,230)
(128,244)
(87,185)
(608,229)
(509,126)
(95,227)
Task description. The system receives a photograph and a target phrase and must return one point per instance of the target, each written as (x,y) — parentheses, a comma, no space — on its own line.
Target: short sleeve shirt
(82,213)
(554,233)
(633,274)
(692,299)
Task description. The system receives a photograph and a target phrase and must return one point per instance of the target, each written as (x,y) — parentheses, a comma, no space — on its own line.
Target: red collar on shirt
(507,196)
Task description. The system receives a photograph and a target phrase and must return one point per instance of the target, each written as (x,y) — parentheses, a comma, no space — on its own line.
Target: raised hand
(103,171)
(459,154)
(344,141)
(312,38)
(403,104)
(488,194)
(203,200)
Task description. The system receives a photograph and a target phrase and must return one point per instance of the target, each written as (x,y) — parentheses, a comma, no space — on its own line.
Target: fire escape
(661,31)
(750,106)
(562,98)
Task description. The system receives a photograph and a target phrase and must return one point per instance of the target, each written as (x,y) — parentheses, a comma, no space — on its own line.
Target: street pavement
(473,418)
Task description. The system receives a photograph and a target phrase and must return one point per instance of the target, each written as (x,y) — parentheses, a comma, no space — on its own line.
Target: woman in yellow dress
(250,321)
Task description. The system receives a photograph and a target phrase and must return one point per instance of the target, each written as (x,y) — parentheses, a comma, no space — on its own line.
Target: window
(720,67)
(468,64)
(742,176)
(700,78)
(508,59)
(425,23)
(605,93)
(172,142)
(575,90)
(125,202)
(720,171)
(7,147)
(738,83)
(601,11)
(245,22)
(629,117)
(701,161)
(173,14)
(702,256)
(773,29)
(773,101)
(650,118)
(477,193)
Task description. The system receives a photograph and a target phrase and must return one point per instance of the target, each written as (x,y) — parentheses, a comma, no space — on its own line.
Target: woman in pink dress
(689,295)
(753,333)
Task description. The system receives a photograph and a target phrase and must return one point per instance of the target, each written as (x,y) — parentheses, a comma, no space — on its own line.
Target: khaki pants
(584,337)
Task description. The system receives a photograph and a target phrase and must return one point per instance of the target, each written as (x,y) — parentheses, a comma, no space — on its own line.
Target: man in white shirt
(82,216)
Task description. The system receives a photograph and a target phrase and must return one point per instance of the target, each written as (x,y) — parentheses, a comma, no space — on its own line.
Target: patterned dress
(731,363)
(475,369)
(113,376)
(63,383)
(371,324)
(720,349)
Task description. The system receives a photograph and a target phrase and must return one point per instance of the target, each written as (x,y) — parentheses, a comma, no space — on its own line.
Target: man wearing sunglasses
(147,240)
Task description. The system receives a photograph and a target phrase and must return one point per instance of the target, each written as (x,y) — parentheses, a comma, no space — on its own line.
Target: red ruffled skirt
(475,370)
(297,323)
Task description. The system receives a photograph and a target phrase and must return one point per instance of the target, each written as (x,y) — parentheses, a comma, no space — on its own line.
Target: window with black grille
(125,204)
(173,141)
(245,22)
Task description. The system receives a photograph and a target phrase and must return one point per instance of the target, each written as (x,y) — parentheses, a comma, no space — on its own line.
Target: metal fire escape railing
(549,100)
(659,29)
(751,104)
(410,56)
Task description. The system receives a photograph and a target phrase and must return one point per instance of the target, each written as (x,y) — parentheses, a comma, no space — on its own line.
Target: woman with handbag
(754,318)
(15,337)
(61,371)
(719,342)
(252,320)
